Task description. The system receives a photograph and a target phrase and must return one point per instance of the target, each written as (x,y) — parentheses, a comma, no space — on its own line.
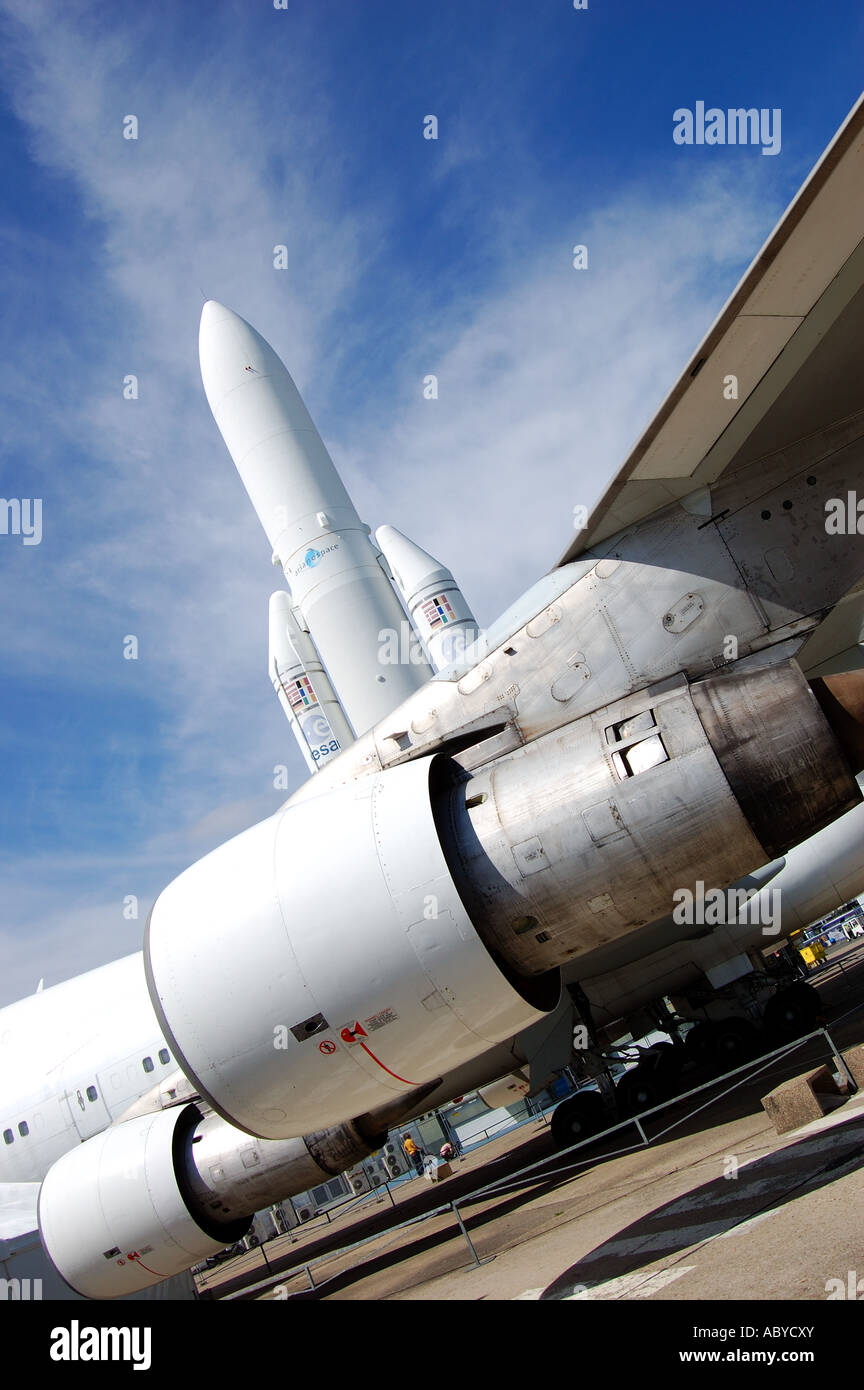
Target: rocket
(303,688)
(438,611)
(340,594)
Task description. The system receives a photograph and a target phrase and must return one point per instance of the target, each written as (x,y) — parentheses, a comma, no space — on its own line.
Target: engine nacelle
(323,962)
(113,1214)
(152,1196)
(583,835)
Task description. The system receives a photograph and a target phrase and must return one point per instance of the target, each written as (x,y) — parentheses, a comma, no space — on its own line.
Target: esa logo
(323,749)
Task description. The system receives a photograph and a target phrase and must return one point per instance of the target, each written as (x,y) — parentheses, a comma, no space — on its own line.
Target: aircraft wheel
(578,1118)
(698,1043)
(639,1090)
(733,1041)
(792,1012)
(652,1081)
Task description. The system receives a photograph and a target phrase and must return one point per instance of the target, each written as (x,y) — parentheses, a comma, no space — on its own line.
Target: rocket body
(303,688)
(338,587)
(434,600)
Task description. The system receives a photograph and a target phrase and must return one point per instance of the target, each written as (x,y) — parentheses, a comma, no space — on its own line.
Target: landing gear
(698,1044)
(651,1082)
(792,1012)
(733,1041)
(708,1048)
(638,1091)
(578,1118)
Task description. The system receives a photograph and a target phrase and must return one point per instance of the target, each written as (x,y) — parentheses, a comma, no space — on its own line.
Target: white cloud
(545,388)
(546,374)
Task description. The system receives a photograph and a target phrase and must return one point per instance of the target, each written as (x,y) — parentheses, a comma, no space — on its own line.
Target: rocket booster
(303,688)
(433,598)
(344,599)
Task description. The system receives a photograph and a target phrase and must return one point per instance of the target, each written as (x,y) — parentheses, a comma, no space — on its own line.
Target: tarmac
(720,1207)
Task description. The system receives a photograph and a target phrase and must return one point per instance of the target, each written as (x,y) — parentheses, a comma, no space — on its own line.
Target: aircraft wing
(18,1209)
(791,335)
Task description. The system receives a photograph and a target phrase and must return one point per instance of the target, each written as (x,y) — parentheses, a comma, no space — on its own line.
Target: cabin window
(147,1064)
(8,1136)
(164,1056)
(92,1093)
(23,1129)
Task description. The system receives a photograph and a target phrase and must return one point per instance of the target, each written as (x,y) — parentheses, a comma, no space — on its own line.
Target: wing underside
(780,364)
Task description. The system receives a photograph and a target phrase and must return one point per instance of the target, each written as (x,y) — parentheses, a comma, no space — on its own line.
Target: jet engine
(360,940)
(150,1197)
(322,962)
(583,836)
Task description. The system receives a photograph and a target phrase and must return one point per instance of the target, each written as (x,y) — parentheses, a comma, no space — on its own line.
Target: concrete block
(854,1059)
(802,1099)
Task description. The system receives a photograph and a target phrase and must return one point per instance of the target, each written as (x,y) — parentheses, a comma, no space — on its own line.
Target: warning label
(381,1019)
(352,1032)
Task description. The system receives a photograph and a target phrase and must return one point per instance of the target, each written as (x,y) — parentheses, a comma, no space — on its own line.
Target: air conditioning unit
(394,1160)
(305,1213)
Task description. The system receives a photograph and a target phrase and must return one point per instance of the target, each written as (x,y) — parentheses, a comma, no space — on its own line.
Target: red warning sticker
(327,1047)
(353,1032)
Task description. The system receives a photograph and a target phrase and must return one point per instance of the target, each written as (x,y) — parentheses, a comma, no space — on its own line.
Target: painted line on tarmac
(629,1285)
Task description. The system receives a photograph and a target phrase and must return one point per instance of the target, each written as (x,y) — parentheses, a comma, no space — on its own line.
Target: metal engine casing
(114,1213)
(322,962)
(560,847)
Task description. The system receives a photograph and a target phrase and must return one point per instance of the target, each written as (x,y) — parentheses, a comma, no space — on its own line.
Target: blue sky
(406,257)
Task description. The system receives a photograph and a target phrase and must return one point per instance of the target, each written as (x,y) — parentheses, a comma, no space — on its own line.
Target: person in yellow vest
(412,1153)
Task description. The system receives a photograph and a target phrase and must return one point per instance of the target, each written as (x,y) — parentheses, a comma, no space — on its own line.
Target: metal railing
(746,1072)
(548,1169)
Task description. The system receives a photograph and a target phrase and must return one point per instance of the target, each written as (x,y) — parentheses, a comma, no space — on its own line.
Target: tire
(654,1080)
(578,1118)
(792,1012)
(639,1090)
(733,1041)
(664,1060)
(698,1044)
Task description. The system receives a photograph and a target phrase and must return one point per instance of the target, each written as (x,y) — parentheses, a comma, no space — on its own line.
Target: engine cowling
(152,1196)
(583,835)
(113,1214)
(323,962)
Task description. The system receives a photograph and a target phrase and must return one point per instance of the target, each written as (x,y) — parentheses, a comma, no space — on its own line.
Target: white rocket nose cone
(270,435)
(412,566)
(231,353)
(213,311)
(307,515)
